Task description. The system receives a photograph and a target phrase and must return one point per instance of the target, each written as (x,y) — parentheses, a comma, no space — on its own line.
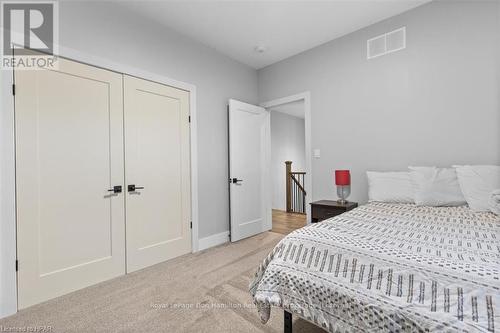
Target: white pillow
(436,187)
(390,187)
(477,182)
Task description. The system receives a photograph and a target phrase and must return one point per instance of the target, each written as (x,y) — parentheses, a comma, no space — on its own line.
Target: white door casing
(157,153)
(69,152)
(249,168)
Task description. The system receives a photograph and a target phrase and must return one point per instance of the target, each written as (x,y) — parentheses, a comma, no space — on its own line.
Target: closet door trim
(7,149)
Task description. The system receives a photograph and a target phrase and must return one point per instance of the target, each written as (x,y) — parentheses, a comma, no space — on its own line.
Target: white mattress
(388,267)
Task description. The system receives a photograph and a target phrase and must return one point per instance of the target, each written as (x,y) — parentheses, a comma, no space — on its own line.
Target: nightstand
(324,209)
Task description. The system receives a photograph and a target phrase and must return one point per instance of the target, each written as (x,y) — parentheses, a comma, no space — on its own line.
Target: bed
(387,267)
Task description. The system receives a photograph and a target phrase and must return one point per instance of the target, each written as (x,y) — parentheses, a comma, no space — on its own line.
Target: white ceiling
(284,28)
(295,109)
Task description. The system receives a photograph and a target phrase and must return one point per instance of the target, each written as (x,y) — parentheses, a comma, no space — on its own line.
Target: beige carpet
(202,292)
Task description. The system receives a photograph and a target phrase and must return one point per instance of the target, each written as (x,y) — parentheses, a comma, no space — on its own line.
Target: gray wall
(434,103)
(287,144)
(105,30)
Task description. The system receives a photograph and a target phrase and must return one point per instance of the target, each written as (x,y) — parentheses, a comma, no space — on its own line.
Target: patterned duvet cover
(388,268)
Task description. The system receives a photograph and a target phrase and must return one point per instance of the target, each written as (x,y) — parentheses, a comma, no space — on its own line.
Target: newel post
(288,183)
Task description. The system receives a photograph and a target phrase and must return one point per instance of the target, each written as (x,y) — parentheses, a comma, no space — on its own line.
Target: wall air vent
(387,43)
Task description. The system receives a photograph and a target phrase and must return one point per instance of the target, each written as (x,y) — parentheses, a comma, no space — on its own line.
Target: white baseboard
(214,240)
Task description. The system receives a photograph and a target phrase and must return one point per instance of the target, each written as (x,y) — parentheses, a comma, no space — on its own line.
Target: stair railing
(295,190)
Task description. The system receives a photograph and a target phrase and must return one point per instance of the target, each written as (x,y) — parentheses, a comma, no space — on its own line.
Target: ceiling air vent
(390,42)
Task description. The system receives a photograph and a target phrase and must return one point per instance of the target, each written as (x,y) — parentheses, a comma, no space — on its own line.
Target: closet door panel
(157,163)
(69,152)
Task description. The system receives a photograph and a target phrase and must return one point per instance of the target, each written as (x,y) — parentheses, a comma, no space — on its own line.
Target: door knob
(236,180)
(133,188)
(116,189)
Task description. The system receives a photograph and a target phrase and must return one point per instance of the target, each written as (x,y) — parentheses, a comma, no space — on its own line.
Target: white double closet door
(81,132)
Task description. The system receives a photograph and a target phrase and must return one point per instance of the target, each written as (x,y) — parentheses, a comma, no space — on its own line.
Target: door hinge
(189,118)
(13,89)
(191,224)
(17,265)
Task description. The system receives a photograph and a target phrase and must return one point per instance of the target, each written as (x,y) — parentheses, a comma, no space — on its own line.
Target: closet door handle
(133,187)
(116,189)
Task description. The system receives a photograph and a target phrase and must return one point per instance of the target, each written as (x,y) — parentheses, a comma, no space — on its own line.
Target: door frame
(306,98)
(8,221)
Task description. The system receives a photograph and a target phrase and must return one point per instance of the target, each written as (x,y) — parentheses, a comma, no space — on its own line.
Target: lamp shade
(342,177)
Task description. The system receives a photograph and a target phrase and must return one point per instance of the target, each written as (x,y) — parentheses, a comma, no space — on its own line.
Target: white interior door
(157,163)
(69,152)
(249,169)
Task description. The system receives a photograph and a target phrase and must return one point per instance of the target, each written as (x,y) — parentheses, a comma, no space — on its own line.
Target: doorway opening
(289,164)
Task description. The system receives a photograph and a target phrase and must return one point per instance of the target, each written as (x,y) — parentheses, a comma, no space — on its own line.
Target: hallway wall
(287,144)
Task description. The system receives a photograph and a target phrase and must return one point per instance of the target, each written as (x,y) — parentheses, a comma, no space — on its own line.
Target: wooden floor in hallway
(284,223)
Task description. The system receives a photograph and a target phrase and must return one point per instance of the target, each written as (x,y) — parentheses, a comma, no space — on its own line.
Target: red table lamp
(343,182)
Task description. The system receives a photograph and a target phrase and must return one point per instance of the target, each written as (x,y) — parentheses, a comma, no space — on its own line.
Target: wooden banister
(295,190)
(288,167)
(297,183)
